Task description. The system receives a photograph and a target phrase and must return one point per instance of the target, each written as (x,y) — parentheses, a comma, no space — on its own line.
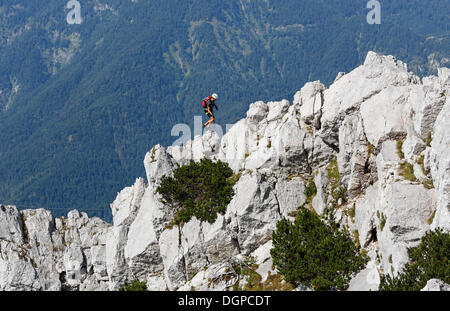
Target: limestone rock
(310,99)
(11,224)
(321,181)
(382,114)
(356,158)
(366,280)
(290,194)
(219,243)
(406,210)
(263,260)
(440,168)
(127,202)
(435,285)
(233,148)
(346,95)
(277,110)
(217,277)
(365,213)
(256,113)
(40,227)
(51,254)
(173,258)
(253,212)
(158,163)
(387,163)
(141,251)
(17,271)
(427,101)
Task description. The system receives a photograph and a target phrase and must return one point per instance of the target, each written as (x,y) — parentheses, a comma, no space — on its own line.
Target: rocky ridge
(374,144)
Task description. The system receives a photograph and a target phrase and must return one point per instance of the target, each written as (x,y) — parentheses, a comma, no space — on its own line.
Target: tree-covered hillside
(81,104)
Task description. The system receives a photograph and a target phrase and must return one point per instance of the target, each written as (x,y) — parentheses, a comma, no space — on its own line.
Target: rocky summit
(380,129)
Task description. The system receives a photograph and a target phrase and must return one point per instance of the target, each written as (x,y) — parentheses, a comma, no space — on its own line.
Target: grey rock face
(253,213)
(407,209)
(43,253)
(290,194)
(435,285)
(440,167)
(366,280)
(365,215)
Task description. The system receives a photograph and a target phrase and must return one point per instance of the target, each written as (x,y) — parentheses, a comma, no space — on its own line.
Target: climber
(208,105)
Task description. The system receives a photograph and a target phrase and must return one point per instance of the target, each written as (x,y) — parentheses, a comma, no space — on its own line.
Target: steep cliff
(374,144)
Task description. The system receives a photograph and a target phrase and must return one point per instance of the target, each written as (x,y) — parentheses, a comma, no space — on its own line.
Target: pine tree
(428,260)
(201,189)
(315,253)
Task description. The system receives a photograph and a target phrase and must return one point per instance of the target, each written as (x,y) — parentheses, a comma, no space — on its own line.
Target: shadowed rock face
(373,123)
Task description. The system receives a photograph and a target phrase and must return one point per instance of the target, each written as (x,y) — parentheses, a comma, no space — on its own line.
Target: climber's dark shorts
(210,115)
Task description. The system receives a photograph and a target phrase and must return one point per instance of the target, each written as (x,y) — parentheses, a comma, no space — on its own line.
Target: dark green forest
(80,105)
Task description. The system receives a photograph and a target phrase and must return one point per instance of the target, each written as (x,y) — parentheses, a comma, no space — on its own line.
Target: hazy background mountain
(81,104)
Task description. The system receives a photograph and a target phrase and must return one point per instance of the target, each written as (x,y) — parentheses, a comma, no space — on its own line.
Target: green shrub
(338,192)
(370,150)
(430,220)
(382,221)
(201,189)
(333,173)
(310,191)
(407,171)
(428,260)
(314,253)
(399,148)
(421,162)
(135,286)
(247,270)
(428,184)
(352,212)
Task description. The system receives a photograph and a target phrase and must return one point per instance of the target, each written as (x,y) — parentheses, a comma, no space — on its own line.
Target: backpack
(205,101)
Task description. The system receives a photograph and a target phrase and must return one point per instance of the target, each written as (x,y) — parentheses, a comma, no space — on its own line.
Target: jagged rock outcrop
(39,252)
(379,128)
